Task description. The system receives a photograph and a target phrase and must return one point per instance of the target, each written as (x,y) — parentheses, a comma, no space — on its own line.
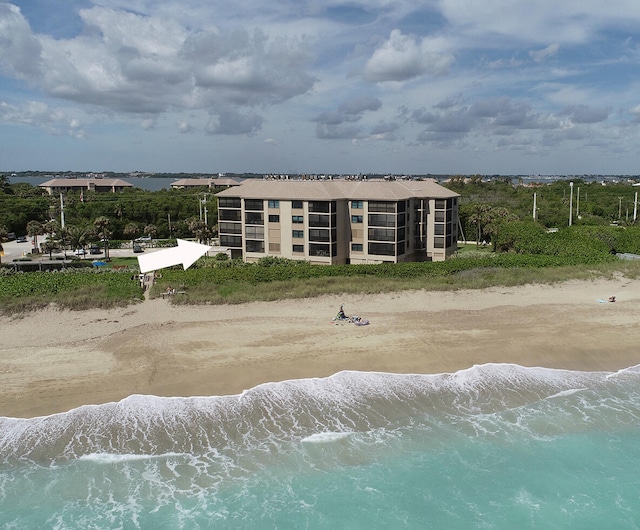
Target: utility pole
(578,203)
(202,199)
(619,208)
(535,213)
(635,208)
(61,211)
(571,205)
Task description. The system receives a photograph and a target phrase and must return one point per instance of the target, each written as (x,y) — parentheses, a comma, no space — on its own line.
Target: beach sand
(52,361)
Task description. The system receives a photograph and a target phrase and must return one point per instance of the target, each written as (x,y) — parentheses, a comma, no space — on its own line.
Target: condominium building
(336,222)
(63,185)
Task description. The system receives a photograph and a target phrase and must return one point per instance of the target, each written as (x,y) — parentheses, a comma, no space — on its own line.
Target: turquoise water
(496,446)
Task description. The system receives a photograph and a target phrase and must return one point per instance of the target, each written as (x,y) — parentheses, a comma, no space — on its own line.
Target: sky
(507,87)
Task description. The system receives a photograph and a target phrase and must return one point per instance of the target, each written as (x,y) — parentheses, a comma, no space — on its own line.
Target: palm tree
(151,230)
(77,236)
(102,227)
(199,229)
(62,238)
(34,229)
(131,231)
(49,246)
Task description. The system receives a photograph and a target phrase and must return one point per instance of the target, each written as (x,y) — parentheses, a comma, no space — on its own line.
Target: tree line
(486,206)
(92,216)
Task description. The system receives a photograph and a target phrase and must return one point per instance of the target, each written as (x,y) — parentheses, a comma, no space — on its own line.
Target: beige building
(61,185)
(336,222)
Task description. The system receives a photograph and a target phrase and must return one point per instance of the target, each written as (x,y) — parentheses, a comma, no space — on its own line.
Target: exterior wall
(426,230)
(91,186)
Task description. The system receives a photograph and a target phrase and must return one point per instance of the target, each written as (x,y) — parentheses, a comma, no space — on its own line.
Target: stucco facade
(337,222)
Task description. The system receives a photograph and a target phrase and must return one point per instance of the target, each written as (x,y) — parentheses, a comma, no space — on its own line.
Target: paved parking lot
(14,250)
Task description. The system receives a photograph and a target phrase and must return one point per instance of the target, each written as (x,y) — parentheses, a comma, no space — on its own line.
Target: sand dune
(52,361)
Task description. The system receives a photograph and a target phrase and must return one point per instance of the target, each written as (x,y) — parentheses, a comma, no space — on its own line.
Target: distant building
(336,222)
(218,182)
(59,185)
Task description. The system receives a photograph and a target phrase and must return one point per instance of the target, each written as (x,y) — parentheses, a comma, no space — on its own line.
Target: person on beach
(341,315)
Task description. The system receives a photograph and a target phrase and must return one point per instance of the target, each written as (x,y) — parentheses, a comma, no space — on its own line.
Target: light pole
(571,205)
(619,208)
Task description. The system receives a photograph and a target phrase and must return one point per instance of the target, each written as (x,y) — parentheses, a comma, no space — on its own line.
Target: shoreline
(52,361)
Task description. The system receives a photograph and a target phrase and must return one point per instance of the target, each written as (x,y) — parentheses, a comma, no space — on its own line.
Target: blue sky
(310,86)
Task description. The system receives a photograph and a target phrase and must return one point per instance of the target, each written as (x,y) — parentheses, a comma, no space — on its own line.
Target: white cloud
(402,57)
(133,63)
(232,122)
(542,55)
(38,114)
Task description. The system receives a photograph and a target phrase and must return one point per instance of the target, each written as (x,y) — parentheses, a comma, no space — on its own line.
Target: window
(274,204)
(230,228)
(382,249)
(253,204)
(230,241)
(317,220)
(229,202)
(297,234)
(254,218)
(439,217)
(274,218)
(255,246)
(254,232)
(382,220)
(320,207)
(441,204)
(319,250)
(356,218)
(230,215)
(356,205)
(438,229)
(438,242)
(297,219)
(274,247)
(384,207)
(382,234)
(296,204)
(357,247)
(319,235)
(298,248)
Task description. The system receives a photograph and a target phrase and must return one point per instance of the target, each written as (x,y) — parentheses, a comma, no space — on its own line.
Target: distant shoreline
(52,361)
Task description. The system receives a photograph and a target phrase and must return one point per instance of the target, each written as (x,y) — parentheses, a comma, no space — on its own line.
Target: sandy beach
(52,361)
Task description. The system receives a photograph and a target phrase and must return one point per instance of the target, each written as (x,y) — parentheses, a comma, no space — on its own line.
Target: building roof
(218,181)
(83,183)
(337,189)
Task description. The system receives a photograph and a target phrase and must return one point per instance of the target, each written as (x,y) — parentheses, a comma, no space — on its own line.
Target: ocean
(496,446)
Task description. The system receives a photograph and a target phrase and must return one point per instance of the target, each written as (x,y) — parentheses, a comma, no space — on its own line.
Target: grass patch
(236,292)
(74,290)
(85,289)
